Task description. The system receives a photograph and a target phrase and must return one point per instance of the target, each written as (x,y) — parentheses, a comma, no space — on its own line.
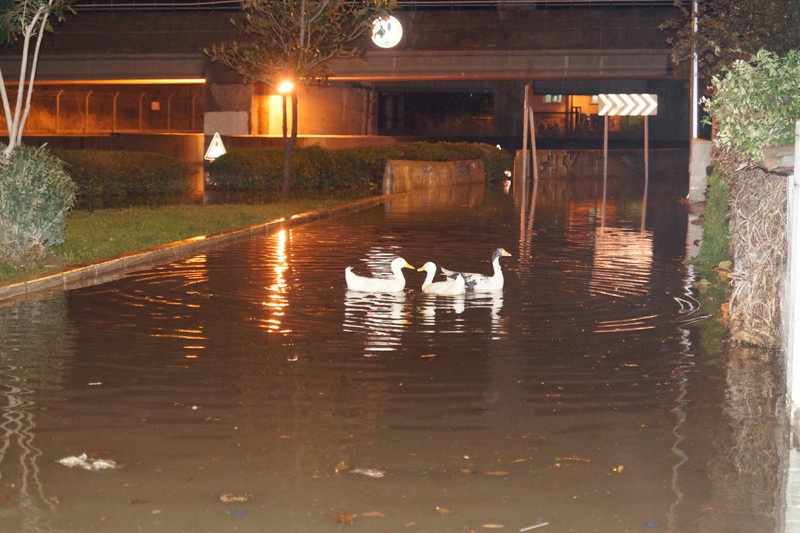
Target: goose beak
(504,253)
(407,265)
(420,269)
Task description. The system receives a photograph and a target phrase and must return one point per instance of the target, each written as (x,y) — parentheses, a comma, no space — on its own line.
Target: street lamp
(285,87)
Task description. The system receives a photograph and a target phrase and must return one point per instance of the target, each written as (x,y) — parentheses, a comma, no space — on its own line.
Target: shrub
(757,103)
(247,169)
(119,174)
(361,168)
(36,194)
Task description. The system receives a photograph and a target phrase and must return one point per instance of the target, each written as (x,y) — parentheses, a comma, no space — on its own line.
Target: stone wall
(403,176)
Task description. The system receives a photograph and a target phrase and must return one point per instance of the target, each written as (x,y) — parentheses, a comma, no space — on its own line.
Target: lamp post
(285,87)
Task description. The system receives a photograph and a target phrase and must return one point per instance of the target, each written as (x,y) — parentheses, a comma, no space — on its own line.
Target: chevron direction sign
(627,104)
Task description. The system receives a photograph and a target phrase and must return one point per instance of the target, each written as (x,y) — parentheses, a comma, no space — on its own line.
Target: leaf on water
(374,514)
(492,526)
(344,518)
(443,510)
(618,469)
(341,466)
(496,473)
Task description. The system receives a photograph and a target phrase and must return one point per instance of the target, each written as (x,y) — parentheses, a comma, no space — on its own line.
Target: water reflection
(622,263)
(381,317)
(585,385)
(277,291)
(35,338)
(751,444)
(493,301)
(470,195)
(441,310)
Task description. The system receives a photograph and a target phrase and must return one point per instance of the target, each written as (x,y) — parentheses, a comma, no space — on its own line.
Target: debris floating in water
(235,497)
(88,463)
(537,525)
(369,472)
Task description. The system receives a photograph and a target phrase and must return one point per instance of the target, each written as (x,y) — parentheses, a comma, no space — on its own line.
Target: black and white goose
(481,282)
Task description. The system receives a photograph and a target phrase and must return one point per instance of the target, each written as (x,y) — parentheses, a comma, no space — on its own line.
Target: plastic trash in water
(88,463)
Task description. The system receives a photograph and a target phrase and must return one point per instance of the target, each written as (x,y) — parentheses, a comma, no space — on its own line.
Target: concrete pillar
(228,102)
(790,311)
(699,161)
(791,302)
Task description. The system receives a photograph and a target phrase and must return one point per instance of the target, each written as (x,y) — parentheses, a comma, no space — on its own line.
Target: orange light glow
(285,87)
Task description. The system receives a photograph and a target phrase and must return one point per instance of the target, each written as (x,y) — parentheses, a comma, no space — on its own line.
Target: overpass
(571,50)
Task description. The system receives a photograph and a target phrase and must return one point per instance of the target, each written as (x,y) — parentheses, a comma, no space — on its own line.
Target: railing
(74,111)
(412,5)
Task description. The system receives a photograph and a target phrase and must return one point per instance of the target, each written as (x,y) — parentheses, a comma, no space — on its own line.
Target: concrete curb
(112,268)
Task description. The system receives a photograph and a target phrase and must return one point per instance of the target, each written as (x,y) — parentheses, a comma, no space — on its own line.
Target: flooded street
(589,395)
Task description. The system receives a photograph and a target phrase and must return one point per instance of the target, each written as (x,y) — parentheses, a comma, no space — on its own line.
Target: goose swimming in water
(481,282)
(449,287)
(365,284)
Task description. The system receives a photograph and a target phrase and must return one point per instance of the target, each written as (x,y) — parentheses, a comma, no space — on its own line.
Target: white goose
(364,284)
(481,282)
(449,287)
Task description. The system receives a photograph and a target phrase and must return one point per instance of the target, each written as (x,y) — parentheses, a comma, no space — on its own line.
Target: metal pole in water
(535,169)
(605,172)
(646,170)
(526,105)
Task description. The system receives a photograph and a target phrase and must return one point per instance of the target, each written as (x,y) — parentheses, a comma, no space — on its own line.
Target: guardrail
(411,5)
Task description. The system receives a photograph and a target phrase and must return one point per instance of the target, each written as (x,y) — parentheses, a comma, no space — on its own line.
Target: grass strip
(105,233)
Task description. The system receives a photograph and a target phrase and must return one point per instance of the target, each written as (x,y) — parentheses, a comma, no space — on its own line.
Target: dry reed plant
(758,250)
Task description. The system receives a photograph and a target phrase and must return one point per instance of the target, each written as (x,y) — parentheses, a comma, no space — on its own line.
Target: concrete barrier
(564,163)
(403,176)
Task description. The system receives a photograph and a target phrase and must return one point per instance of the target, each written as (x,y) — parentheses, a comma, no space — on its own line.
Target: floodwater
(590,395)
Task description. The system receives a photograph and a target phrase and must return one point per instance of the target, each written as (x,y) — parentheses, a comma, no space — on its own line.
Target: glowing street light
(285,86)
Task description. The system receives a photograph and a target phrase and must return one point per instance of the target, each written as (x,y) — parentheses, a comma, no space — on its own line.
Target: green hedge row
(360,168)
(119,174)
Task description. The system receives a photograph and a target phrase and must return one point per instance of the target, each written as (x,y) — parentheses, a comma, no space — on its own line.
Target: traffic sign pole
(629,105)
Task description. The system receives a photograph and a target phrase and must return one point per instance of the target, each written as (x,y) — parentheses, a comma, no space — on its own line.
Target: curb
(89,274)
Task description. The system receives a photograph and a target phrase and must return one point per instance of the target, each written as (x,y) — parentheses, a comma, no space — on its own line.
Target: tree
(728,30)
(294,40)
(25,20)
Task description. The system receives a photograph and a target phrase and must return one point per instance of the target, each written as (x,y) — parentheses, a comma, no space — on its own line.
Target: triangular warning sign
(215,149)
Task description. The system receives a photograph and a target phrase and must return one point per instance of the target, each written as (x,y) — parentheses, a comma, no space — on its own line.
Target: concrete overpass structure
(564,51)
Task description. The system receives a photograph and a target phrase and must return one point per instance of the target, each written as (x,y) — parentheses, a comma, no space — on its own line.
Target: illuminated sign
(627,104)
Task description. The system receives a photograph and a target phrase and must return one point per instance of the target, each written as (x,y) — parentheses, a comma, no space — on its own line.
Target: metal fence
(98,110)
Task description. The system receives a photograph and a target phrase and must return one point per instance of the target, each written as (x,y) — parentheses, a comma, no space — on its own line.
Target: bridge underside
(150,68)
(375,66)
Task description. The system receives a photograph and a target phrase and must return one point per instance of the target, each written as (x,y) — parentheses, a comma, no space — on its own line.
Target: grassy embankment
(712,263)
(105,233)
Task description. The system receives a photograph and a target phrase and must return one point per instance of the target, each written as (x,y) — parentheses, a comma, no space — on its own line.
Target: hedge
(360,168)
(119,174)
